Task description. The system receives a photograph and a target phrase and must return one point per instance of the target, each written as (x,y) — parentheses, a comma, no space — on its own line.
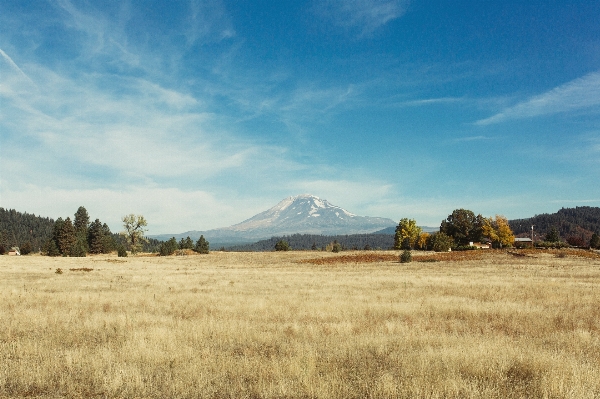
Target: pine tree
(96,237)
(552,235)
(51,248)
(108,241)
(79,248)
(67,237)
(202,246)
(595,241)
(81,224)
(169,247)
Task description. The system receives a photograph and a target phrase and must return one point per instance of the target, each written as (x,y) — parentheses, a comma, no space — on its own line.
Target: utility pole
(532,236)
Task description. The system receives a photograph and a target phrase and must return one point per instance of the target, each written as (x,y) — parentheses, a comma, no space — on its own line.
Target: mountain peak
(299,214)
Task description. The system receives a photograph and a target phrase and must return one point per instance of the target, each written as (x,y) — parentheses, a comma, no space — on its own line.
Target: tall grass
(264,325)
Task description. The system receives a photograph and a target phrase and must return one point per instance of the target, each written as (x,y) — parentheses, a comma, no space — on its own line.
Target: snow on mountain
(301,214)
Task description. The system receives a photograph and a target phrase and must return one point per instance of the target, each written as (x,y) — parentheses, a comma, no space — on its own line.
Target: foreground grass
(272,325)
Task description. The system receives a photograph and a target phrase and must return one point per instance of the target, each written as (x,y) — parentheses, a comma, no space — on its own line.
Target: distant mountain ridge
(301,214)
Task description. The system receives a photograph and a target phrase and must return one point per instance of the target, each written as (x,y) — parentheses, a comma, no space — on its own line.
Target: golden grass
(266,325)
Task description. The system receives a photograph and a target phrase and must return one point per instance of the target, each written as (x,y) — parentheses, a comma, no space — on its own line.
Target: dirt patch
(457,256)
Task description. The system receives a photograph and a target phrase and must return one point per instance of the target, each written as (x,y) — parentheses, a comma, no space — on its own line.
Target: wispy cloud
(430,101)
(361,16)
(577,94)
(15,68)
(471,138)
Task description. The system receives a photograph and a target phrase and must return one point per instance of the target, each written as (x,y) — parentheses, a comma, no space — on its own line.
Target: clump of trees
(169,247)
(458,231)
(79,237)
(282,245)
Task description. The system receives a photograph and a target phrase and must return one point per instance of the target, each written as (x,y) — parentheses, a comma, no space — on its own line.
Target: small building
(14,251)
(521,242)
(480,245)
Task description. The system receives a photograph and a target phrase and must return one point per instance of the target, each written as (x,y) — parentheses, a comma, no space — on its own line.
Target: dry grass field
(301,325)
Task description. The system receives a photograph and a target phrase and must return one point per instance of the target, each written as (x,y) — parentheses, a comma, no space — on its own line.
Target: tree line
(23,230)
(170,246)
(315,242)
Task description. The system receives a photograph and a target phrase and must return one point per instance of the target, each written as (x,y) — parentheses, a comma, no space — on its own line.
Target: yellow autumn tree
(407,234)
(498,231)
(506,237)
(422,241)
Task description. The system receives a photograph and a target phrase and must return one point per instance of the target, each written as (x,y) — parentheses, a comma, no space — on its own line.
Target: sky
(200,114)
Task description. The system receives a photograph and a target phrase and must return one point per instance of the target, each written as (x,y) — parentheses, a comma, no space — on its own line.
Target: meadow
(488,324)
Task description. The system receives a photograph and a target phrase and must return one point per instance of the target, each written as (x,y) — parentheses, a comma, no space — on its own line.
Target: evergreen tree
(26,248)
(3,243)
(186,243)
(552,235)
(67,237)
(108,240)
(79,248)
(202,246)
(595,241)
(169,247)
(51,248)
(81,223)
(96,238)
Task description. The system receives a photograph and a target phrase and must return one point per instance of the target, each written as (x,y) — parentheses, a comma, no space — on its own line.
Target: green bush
(121,251)
(282,245)
(440,242)
(406,256)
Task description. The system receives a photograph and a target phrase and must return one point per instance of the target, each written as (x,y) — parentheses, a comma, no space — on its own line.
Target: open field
(284,325)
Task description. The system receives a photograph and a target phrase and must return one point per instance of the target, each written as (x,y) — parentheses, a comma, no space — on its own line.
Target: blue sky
(200,114)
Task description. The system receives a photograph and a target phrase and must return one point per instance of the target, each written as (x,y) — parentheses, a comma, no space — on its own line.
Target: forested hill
(311,241)
(578,221)
(17,229)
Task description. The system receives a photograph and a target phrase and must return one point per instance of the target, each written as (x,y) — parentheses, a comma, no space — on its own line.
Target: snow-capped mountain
(302,214)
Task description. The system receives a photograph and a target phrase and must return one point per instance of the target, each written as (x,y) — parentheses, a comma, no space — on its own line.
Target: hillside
(18,229)
(311,241)
(581,221)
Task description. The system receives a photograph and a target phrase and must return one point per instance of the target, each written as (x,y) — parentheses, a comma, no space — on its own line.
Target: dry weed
(264,325)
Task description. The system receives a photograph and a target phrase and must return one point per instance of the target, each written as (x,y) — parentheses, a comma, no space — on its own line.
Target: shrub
(282,245)
(440,242)
(121,251)
(406,256)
